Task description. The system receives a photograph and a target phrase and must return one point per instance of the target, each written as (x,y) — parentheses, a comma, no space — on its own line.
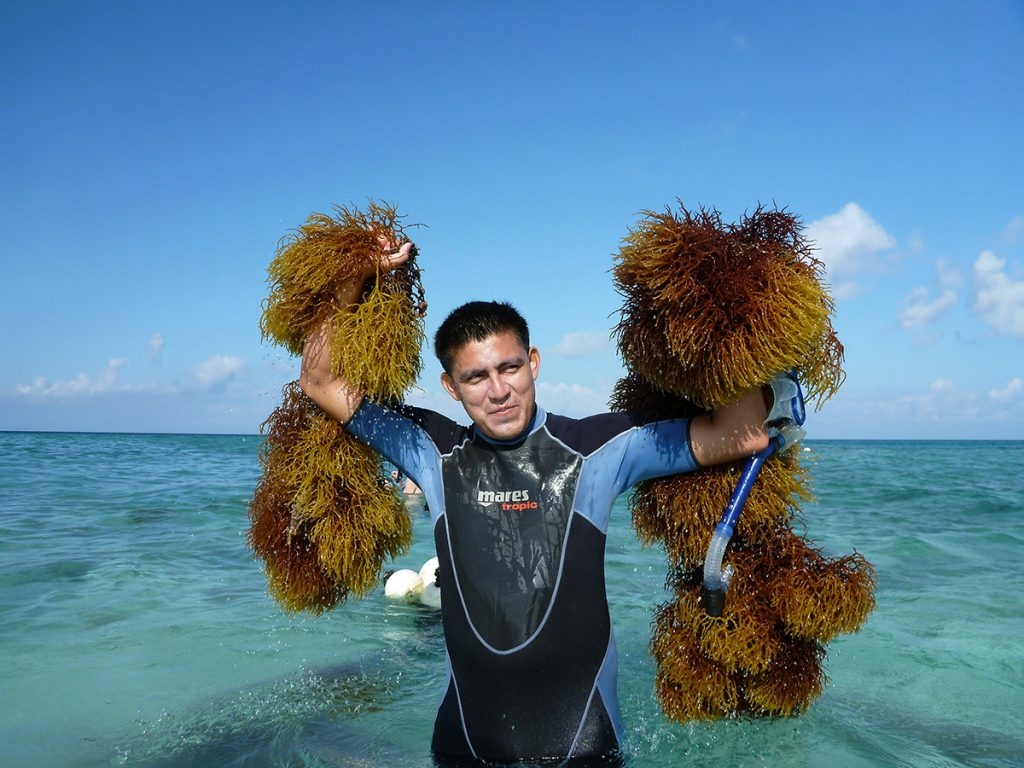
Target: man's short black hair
(476,321)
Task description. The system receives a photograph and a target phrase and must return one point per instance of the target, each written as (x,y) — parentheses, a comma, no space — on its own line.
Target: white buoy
(404,584)
(430,596)
(428,573)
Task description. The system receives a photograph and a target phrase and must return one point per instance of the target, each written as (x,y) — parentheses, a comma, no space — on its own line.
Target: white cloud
(571,399)
(581,344)
(849,243)
(938,404)
(209,375)
(1012,391)
(920,309)
(916,243)
(81,384)
(1014,230)
(942,409)
(217,371)
(998,298)
(155,346)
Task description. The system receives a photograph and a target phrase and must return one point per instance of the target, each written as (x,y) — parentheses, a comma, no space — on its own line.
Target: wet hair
(476,321)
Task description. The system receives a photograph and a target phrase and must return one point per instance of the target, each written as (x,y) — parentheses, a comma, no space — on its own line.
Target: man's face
(494,381)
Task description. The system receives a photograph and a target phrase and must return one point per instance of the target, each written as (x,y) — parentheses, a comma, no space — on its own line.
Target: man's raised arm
(732,432)
(334,393)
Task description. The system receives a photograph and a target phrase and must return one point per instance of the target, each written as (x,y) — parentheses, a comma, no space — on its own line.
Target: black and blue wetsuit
(520,530)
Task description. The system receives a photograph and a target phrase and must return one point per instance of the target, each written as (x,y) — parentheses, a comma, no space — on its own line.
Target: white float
(430,596)
(403,584)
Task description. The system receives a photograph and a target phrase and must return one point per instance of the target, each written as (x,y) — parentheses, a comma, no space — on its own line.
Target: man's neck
(537,419)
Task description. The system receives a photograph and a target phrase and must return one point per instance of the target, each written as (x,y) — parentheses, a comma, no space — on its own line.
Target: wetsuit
(520,529)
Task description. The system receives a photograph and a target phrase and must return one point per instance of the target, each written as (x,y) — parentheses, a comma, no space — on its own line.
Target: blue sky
(153,154)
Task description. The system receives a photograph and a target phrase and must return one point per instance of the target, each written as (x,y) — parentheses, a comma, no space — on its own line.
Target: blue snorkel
(717,578)
(783,425)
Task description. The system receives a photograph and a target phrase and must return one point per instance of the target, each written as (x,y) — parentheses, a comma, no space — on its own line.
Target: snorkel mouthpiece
(716,578)
(787,402)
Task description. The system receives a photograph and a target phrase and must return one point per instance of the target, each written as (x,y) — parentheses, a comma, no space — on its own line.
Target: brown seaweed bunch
(818,598)
(378,344)
(794,680)
(711,309)
(689,686)
(322,518)
(681,511)
(764,654)
(295,577)
(742,662)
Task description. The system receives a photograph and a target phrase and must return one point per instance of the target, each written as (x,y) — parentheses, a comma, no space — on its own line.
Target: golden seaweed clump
(817,597)
(745,661)
(681,511)
(792,683)
(688,685)
(311,262)
(711,309)
(743,640)
(323,517)
(770,639)
(295,577)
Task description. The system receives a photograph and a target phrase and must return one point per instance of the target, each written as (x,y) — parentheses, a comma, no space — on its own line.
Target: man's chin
(503,430)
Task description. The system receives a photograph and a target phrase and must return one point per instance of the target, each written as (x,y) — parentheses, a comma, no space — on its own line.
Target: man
(520,502)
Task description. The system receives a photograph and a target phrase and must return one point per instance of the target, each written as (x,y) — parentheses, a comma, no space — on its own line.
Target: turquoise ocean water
(135,628)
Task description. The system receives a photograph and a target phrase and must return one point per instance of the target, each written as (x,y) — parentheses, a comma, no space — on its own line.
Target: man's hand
(349,291)
(392,257)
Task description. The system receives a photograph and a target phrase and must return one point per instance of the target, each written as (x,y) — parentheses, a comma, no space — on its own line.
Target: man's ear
(534,362)
(449,384)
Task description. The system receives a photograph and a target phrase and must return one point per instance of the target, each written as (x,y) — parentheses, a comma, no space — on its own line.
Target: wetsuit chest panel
(539,701)
(508,510)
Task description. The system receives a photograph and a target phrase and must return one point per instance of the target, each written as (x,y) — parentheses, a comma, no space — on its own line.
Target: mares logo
(511,501)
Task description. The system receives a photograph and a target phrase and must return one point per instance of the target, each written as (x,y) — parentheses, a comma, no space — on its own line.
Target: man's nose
(497,388)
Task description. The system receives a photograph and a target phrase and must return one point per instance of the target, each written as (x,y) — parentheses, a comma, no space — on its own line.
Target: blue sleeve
(411,438)
(403,439)
(658,449)
(638,453)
